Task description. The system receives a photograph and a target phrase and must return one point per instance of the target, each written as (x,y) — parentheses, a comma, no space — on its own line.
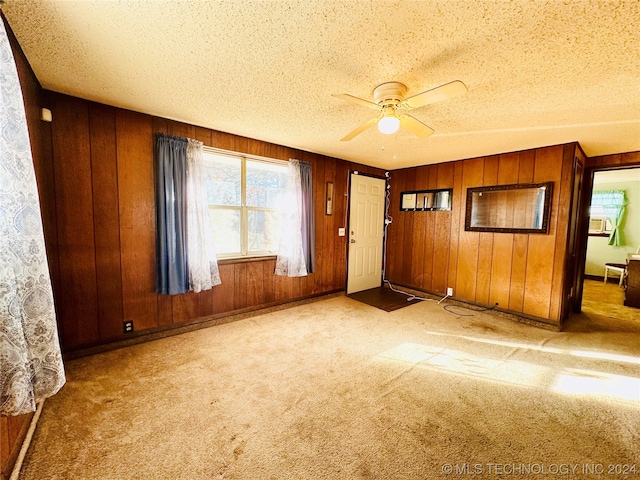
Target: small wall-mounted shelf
(426,200)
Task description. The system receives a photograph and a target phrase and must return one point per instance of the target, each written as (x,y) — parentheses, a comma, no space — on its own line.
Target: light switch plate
(341,232)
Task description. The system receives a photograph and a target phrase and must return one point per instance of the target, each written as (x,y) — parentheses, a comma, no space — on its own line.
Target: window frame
(243,208)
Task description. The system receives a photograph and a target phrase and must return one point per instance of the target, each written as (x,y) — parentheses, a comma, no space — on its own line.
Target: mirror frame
(520,186)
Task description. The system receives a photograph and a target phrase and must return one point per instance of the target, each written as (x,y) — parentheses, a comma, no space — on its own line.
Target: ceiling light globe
(389,124)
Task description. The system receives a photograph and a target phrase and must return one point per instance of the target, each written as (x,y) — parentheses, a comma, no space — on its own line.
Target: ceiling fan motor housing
(389,94)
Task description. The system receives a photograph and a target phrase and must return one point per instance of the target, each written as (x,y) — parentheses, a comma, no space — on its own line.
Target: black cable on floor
(484,309)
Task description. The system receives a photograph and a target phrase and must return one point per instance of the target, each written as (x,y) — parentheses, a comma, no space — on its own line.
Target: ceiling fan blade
(443,92)
(416,127)
(359,101)
(360,129)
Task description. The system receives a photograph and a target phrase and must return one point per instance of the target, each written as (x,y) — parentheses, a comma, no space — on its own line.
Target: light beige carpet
(340,390)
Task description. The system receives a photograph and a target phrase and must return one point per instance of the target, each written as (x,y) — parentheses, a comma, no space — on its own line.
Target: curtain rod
(233,153)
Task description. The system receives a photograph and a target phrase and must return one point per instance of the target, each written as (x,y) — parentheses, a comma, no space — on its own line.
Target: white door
(366,230)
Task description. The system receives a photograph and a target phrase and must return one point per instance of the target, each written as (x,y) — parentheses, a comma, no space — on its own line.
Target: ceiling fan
(389,101)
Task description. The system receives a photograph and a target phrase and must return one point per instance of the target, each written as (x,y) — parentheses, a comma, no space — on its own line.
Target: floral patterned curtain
(31,366)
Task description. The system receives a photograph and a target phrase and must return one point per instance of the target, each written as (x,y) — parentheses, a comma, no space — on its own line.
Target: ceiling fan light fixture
(390,98)
(389,123)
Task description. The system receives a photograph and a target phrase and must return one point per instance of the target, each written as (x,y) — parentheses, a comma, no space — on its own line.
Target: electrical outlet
(127,326)
(341,232)
(449,291)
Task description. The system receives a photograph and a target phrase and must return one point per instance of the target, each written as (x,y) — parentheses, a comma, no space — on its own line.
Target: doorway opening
(607,298)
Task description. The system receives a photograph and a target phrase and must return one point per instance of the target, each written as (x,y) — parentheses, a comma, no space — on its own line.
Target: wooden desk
(632,294)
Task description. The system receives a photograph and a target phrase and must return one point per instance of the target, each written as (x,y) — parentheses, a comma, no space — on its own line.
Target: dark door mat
(383,298)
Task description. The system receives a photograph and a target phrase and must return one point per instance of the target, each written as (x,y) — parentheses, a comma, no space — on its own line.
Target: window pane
(264,230)
(223,181)
(225,225)
(265,183)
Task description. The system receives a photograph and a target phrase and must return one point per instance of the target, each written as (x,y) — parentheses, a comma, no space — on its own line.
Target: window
(244,195)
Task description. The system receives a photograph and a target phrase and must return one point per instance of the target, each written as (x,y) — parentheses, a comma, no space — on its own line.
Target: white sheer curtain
(201,255)
(291,260)
(31,366)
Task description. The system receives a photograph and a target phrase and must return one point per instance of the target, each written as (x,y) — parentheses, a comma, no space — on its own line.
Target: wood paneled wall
(523,273)
(631,159)
(13,430)
(104,244)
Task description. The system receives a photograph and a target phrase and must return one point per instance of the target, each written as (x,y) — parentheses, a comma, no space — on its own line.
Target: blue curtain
(171,214)
(308,223)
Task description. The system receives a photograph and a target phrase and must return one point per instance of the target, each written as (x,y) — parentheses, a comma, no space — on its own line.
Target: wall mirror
(521,208)
(426,200)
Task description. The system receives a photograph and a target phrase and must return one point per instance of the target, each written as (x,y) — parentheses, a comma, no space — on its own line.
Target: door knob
(353,241)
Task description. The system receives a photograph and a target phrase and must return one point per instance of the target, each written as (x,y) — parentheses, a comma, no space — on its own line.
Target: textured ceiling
(539,72)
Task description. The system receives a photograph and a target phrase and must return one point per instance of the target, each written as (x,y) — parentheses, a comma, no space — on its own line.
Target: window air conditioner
(597,225)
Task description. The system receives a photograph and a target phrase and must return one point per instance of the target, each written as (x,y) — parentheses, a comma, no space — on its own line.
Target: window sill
(604,234)
(262,258)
